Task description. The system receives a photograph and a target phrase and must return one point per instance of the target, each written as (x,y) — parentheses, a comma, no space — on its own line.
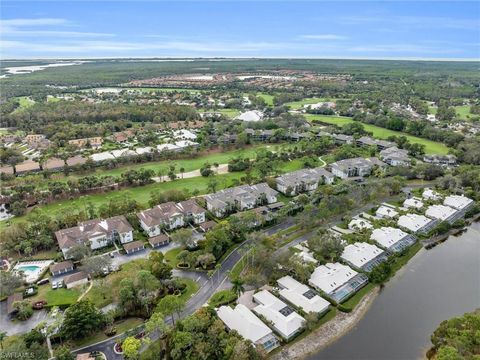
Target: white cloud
(33,22)
(324,37)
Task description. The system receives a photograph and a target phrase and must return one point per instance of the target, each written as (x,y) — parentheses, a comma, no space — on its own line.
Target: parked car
(43,281)
(54,285)
(60,284)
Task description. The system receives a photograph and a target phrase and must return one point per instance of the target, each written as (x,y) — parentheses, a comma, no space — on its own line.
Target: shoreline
(327,333)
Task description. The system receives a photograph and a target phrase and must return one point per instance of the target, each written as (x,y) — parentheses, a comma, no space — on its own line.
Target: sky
(313,29)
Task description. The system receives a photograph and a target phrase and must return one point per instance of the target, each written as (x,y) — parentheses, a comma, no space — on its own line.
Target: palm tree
(182,170)
(237,286)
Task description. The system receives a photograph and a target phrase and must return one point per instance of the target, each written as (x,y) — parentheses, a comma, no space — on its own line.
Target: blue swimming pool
(28,268)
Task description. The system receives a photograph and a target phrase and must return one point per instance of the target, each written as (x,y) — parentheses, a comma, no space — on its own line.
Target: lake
(435,285)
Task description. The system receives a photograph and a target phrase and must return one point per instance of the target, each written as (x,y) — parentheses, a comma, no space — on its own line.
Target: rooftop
(330,277)
(301,295)
(360,253)
(457,202)
(388,236)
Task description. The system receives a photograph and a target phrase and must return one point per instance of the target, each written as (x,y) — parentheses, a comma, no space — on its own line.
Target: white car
(54,285)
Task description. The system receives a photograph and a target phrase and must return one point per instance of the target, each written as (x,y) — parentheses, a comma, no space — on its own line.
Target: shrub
(222,297)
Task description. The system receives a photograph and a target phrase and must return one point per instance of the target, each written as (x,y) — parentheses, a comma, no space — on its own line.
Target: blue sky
(358,29)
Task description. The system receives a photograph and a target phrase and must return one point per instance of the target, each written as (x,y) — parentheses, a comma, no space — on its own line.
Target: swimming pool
(31,270)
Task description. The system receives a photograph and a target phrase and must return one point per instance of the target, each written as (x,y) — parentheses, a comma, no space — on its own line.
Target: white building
(123,153)
(443,213)
(301,296)
(168,147)
(305,255)
(414,202)
(102,156)
(143,150)
(182,144)
(416,224)
(184,134)
(285,320)
(429,194)
(248,325)
(386,212)
(461,203)
(363,256)
(359,224)
(252,115)
(392,239)
(337,281)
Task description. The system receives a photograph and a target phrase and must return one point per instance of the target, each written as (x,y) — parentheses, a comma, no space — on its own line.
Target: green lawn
(355,299)
(171,257)
(463,112)
(431,147)
(267,97)
(25,102)
(58,297)
(295,105)
(231,113)
(192,288)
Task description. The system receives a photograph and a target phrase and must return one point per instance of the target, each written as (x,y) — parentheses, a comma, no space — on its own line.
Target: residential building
(76,279)
(363,256)
(76,160)
(354,167)
(429,194)
(395,157)
(206,226)
(417,224)
(248,325)
(34,138)
(27,166)
(61,268)
(359,223)
(240,198)
(102,156)
(170,216)
(96,233)
(380,144)
(392,239)
(461,203)
(54,164)
(337,281)
(94,142)
(443,213)
(447,160)
(184,134)
(159,240)
(414,203)
(133,247)
(252,115)
(303,180)
(286,322)
(168,147)
(387,212)
(144,150)
(118,153)
(343,139)
(301,296)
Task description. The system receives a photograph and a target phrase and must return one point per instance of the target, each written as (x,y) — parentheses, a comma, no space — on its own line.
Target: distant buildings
(170,216)
(363,256)
(94,142)
(240,198)
(252,115)
(303,180)
(417,224)
(301,296)
(286,322)
(387,212)
(392,239)
(414,202)
(337,281)
(248,325)
(429,194)
(395,157)
(95,234)
(359,224)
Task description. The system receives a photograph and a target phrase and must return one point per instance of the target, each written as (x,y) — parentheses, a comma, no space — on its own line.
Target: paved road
(210,285)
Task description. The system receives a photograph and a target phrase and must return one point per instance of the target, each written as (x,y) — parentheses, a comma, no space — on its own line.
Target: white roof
(385,211)
(360,253)
(102,156)
(185,143)
(245,322)
(330,277)
(359,223)
(305,254)
(167,147)
(440,212)
(270,307)
(430,194)
(122,153)
(413,222)
(413,202)
(253,115)
(301,295)
(387,236)
(457,202)
(143,150)
(184,134)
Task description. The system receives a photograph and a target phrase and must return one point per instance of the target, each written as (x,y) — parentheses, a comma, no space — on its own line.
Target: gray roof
(303,176)
(394,153)
(222,198)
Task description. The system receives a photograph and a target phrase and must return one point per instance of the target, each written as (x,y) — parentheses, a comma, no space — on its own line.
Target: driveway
(20,327)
